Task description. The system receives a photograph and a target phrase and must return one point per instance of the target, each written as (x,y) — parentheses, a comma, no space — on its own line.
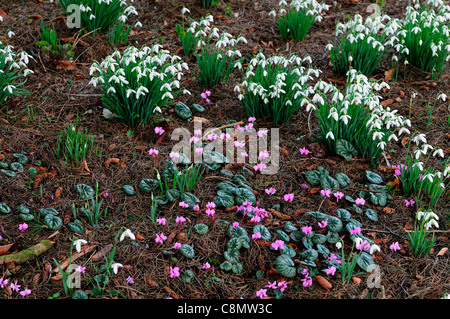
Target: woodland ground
(58,96)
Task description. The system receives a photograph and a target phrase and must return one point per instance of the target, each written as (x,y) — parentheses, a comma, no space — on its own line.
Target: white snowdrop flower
(116,267)
(330,135)
(185,10)
(157,109)
(127,233)
(167,94)
(10,34)
(442,97)
(78,243)
(374,248)
(439,152)
(329,46)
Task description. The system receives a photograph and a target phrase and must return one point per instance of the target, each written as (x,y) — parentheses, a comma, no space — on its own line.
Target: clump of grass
(73,144)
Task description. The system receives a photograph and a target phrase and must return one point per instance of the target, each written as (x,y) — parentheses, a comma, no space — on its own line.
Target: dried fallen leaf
(152,283)
(171,292)
(323,282)
(426,88)
(99,255)
(387,102)
(58,192)
(85,167)
(442,251)
(388,74)
(65,65)
(4,249)
(111,160)
(388,210)
(356,280)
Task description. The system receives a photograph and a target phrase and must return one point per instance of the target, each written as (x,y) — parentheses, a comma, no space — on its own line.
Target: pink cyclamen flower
(261,293)
(409,202)
(153,152)
(256,236)
(330,271)
(288,197)
(81,269)
(307,230)
(338,196)
(364,245)
(174,272)
(199,150)
(304,151)
(159,130)
(255,219)
(194,139)
(183,205)
(198,132)
(282,285)
(173,155)
(323,224)
(239,144)
(161,221)
(235,224)
(3,282)
(196,208)
(206,266)
(212,137)
(160,238)
(356,231)
(360,201)
(259,167)
(130,280)
(180,219)
(251,119)
(270,191)
(14,286)
(211,205)
(262,132)
(176,246)
(25,292)
(210,212)
(394,246)
(278,244)
(263,154)
(307,281)
(272,285)
(325,192)
(23,227)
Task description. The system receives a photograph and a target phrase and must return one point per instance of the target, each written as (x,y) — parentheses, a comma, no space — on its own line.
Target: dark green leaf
(365,260)
(187,251)
(374,177)
(343,179)
(372,215)
(345,149)
(4,209)
(147,185)
(128,189)
(86,191)
(285,265)
(183,111)
(53,222)
(201,229)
